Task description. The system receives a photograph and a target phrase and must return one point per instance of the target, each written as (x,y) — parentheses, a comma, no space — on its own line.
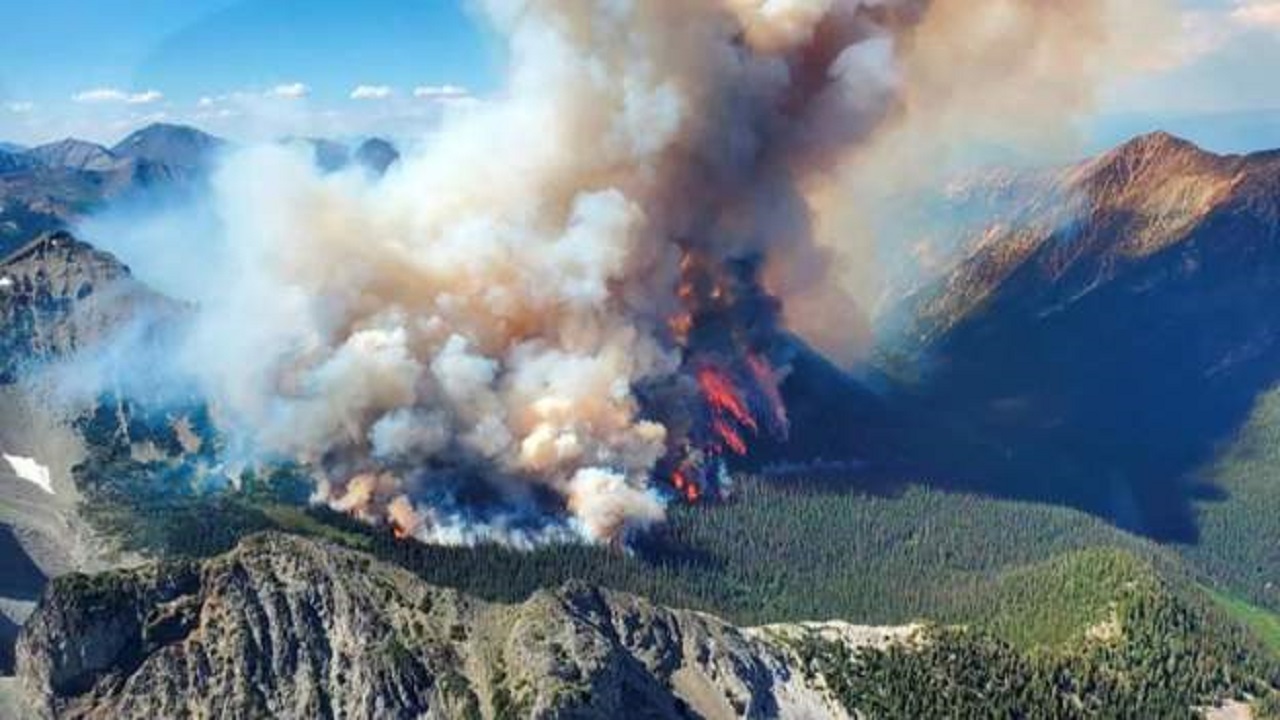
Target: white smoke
(495,300)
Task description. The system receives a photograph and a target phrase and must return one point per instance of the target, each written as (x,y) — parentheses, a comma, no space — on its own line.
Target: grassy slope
(1264,623)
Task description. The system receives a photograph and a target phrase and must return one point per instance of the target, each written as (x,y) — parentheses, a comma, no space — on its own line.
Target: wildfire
(404,520)
(729,436)
(724,323)
(685,486)
(722,396)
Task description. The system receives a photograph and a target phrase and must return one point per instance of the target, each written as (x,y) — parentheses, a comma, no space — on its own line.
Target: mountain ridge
(369,640)
(76,155)
(286,626)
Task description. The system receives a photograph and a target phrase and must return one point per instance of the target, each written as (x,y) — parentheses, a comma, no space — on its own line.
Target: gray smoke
(494,301)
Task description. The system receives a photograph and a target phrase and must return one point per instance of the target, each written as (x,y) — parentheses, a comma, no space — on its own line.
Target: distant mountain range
(374,154)
(74,154)
(50,186)
(175,146)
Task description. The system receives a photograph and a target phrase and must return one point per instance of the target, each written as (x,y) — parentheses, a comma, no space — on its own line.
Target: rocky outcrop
(58,294)
(289,627)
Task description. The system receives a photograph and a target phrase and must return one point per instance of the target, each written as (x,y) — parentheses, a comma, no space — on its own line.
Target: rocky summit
(289,627)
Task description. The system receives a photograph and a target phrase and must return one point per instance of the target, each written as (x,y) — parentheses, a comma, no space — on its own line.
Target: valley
(1026,594)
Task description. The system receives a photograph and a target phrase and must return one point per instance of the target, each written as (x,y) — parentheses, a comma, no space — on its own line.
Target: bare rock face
(58,294)
(289,627)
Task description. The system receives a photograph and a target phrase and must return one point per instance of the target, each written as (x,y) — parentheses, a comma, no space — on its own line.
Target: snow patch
(28,469)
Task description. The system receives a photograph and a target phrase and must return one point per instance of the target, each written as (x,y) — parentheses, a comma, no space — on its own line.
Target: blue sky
(100,68)
(71,65)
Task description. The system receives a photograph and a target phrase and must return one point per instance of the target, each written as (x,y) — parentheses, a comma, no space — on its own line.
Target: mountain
(14,161)
(288,627)
(328,155)
(376,155)
(50,187)
(76,155)
(282,626)
(12,148)
(1096,343)
(173,146)
(953,493)
(35,198)
(58,294)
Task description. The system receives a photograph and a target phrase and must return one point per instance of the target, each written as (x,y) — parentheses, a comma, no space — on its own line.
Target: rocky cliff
(289,627)
(58,294)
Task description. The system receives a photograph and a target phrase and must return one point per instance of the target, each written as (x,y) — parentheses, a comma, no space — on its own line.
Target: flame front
(725,328)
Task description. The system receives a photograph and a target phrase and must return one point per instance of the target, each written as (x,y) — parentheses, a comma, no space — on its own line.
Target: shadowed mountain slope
(1093,349)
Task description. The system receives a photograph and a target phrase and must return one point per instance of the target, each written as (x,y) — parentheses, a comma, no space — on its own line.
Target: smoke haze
(661,189)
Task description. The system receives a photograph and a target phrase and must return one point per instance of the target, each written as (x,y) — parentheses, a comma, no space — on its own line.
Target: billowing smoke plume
(570,299)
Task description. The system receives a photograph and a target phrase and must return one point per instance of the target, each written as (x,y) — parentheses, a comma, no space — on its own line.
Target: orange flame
(402,518)
(723,396)
(685,486)
(729,436)
(738,389)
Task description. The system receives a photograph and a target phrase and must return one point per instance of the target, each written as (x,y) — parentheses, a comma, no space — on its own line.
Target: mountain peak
(1153,155)
(377,155)
(1158,141)
(178,146)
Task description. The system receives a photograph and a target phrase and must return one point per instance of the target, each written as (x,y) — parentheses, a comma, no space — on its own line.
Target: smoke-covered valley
(574,302)
(784,311)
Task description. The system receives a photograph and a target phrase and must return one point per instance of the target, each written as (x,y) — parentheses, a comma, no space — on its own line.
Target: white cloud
(20,108)
(291,91)
(145,98)
(1208,30)
(100,95)
(371,92)
(1228,51)
(1257,13)
(441,92)
(114,95)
